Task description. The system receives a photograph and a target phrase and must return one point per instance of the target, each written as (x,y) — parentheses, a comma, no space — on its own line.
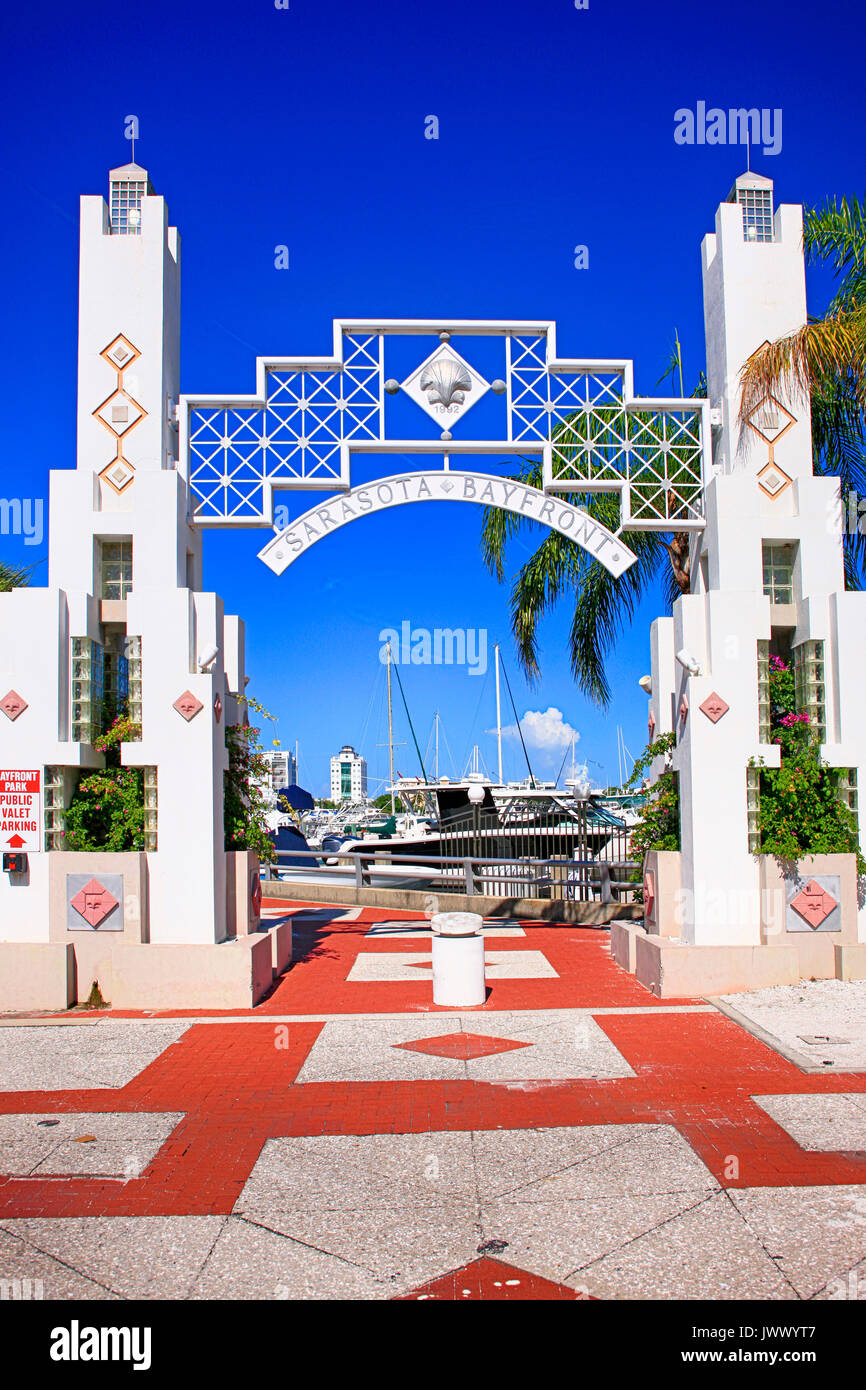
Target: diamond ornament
(814,904)
(118,474)
(13,704)
(94,903)
(714,707)
(188,705)
(772,480)
(445,386)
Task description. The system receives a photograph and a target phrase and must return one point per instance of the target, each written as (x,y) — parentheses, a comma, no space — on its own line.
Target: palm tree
(602,604)
(13,577)
(826,360)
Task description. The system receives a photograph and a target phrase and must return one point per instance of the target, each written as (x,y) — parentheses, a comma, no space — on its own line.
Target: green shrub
(107,808)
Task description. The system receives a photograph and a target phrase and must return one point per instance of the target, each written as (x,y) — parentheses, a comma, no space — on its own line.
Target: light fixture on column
(646,683)
(689,662)
(207,656)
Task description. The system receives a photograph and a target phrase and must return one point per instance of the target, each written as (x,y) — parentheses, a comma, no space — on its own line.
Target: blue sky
(305,127)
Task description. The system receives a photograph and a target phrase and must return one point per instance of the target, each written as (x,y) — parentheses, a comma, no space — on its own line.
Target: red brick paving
(486,1281)
(235,1084)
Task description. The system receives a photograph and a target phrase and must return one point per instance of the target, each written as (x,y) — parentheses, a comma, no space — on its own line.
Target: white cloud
(542,729)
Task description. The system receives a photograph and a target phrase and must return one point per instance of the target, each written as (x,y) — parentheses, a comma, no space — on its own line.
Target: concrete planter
(805,926)
(812,908)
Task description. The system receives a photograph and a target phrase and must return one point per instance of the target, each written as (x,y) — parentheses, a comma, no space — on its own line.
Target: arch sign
(437,485)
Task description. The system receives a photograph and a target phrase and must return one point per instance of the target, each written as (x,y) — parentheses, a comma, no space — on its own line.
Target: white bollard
(458,960)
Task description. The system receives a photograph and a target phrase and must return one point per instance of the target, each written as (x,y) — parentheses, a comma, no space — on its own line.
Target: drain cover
(492,1247)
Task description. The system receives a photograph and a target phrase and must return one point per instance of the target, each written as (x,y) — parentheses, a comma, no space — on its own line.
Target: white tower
(123,601)
(767,577)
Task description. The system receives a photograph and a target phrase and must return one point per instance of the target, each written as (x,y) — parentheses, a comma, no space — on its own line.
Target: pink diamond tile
(814,904)
(94,902)
(12,705)
(187,705)
(714,707)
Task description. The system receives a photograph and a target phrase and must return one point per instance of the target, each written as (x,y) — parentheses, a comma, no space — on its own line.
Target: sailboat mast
(390,732)
(498,716)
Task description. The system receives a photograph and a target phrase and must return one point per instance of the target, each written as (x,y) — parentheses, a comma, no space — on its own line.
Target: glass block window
(809,688)
(122,666)
(115,580)
(53,807)
(116,675)
(88,689)
(151,808)
(132,649)
(753,808)
(778,563)
(126,194)
(757,205)
(763,692)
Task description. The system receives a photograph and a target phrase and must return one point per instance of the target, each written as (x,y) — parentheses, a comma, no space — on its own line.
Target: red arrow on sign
(16,842)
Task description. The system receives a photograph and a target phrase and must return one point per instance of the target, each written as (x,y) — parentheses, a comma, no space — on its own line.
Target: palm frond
(555,566)
(839,451)
(602,607)
(14,576)
(819,352)
(836,232)
(498,527)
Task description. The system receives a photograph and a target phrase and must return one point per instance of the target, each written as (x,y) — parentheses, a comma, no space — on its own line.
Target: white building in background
(348,775)
(282,770)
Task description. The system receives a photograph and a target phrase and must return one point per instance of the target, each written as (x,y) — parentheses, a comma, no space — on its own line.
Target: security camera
(689,662)
(207,656)
(646,683)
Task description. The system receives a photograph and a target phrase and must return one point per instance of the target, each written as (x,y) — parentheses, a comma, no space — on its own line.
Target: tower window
(757,205)
(778,563)
(126,199)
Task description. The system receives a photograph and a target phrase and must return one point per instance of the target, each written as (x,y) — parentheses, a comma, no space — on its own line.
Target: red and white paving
(573,1137)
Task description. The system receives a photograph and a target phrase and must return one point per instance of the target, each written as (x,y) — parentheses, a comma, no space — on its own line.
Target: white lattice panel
(310,416)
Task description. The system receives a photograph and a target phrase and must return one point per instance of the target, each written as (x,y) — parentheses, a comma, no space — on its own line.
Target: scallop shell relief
(446,382)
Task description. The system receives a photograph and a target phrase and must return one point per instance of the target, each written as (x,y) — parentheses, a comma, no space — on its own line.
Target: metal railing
(584,879)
